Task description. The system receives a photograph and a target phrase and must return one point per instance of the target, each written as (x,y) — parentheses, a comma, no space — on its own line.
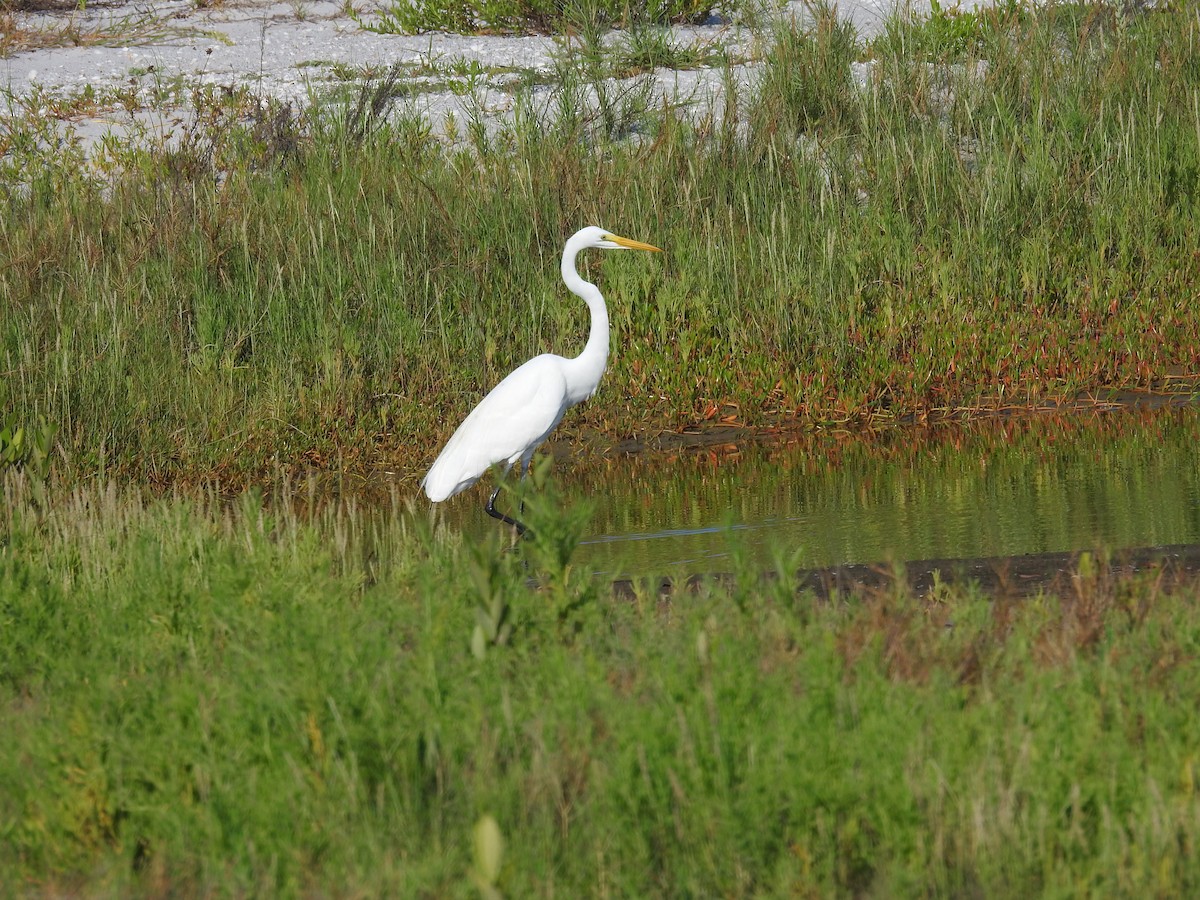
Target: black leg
(508,520)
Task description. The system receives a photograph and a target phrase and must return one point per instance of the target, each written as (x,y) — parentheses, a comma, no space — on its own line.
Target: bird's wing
(508,423)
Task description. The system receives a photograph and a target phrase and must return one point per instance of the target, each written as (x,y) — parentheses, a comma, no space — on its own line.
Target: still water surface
(998,487)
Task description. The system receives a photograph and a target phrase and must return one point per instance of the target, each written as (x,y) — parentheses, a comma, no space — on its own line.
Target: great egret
(519,413)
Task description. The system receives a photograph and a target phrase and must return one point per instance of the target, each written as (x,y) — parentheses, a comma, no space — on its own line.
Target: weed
(647,47)
(491,574)
(545,16)
(807,85)
(952,34)
(78,30)
(28,449)
(370,108)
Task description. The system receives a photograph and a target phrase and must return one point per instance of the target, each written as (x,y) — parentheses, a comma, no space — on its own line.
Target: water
(997,487)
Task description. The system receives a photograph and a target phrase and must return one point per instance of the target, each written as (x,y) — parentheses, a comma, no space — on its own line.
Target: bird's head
(606,240)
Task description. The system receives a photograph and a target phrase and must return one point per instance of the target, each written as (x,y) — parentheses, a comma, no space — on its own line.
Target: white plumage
(519,413)
(508,425)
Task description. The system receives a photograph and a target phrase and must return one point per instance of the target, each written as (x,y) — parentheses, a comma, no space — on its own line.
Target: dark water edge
(1181,393)
(1002,577)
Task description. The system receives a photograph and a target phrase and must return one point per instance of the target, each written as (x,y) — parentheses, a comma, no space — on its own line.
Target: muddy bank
(1183,393)
(1064,574)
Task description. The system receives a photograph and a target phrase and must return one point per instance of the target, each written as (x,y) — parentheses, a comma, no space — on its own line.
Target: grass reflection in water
(993,487)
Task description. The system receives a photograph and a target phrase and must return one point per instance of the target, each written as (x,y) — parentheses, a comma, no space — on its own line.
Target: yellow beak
(630,244)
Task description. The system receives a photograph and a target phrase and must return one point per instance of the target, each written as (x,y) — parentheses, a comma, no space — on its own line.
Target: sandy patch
(304,52)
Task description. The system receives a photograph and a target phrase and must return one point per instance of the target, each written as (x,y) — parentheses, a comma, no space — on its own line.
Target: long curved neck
(585,370)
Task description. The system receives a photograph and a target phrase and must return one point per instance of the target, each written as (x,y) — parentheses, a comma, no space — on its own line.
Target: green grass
(336,290)
(201,697)
(522,16)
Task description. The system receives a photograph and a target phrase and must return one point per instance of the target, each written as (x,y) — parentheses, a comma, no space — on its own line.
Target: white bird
(519,413)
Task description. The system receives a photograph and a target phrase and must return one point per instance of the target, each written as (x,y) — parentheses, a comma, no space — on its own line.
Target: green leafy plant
(555,530)
(487,846)
(27,448)
(490,569)
(951,33)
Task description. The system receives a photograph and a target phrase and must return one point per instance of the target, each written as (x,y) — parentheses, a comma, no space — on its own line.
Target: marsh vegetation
(210,699)
(968,224)
(205,690)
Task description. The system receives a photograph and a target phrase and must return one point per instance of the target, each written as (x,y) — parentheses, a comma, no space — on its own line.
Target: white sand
(296,51)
